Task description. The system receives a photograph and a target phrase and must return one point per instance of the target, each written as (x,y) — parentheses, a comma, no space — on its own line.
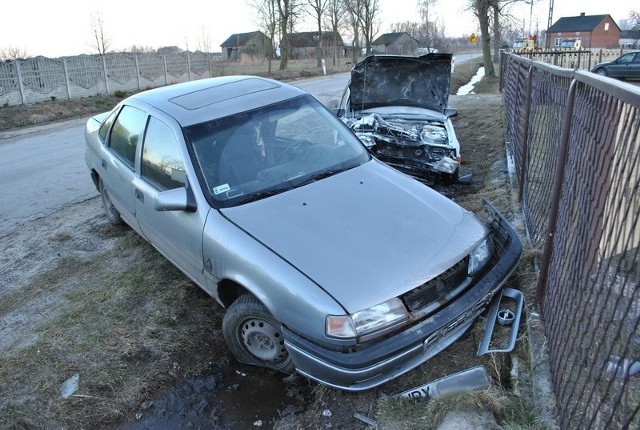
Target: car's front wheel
(254,336)
(601,72)
(112,213)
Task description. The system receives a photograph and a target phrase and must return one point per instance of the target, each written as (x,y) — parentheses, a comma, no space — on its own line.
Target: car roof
(206,99)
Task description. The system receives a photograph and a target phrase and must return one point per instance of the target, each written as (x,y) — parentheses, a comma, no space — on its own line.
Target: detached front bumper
(373,364)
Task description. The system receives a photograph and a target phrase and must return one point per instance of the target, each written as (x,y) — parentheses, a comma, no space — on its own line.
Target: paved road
(42,170)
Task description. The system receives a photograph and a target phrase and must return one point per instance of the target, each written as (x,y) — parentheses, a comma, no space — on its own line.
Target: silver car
(327,261)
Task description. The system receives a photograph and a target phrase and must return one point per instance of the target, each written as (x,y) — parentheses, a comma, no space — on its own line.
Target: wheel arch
(229,291)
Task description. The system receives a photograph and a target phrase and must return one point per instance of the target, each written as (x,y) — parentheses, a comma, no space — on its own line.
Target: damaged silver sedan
(327,261)
(398,107)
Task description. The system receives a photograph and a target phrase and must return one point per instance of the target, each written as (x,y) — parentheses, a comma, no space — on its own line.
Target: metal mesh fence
(587,128)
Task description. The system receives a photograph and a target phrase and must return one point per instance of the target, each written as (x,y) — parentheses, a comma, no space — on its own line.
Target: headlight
(479,256)
(374,319)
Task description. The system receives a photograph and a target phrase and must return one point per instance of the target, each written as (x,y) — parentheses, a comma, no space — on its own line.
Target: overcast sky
(62,27)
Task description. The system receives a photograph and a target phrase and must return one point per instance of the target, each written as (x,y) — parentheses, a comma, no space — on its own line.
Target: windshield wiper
(262,194)
(324,174)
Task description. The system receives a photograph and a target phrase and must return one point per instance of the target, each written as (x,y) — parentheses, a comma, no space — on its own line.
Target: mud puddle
(227,396)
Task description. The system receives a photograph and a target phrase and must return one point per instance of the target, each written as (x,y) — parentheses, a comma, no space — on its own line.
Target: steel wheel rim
(263,339)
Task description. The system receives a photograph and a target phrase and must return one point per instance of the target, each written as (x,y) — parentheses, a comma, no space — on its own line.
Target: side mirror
(178,199)
(451,112)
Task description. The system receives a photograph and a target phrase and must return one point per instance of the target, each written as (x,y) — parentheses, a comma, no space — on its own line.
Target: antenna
(550,21)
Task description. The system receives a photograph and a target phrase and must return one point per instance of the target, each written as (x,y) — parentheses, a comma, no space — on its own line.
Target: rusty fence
(583,59)
(575,142)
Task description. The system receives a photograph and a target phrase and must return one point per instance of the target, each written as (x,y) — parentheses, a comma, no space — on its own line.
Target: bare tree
(268,21)
(634,19)
(13,53)
(284,12)
(100,40)
(318,8)
(425,9)
(369,22)
(353,8)
(481,9)
(335,17)
(204,43)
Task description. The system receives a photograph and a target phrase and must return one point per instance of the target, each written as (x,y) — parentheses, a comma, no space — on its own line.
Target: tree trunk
(283,8)
(482,11)
(497,36)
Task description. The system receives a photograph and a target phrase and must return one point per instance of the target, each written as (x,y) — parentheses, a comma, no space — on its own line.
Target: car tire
(109,209)
(253,335)
(601,72)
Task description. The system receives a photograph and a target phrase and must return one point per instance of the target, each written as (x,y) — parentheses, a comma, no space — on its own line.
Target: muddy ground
(148,349)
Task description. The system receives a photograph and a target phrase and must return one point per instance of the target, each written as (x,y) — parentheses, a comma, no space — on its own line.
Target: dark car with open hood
(398,106)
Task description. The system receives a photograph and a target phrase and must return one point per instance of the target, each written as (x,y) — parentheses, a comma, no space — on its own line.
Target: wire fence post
(555,197)
(525,139)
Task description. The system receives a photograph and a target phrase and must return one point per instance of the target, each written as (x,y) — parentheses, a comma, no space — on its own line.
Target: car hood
(394,80)
(357,236)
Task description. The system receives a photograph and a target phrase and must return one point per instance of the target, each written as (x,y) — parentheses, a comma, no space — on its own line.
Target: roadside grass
(123,331)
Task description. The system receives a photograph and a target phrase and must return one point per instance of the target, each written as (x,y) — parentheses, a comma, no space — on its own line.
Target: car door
(621,67)
(177,234)
(634,67)
(117,164)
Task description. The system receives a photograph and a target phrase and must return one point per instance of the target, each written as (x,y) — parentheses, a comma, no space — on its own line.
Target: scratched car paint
(327,261)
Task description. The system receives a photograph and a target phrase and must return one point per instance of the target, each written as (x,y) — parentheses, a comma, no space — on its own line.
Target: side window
(626,58)
(104,128)
(126,132)
(162,163)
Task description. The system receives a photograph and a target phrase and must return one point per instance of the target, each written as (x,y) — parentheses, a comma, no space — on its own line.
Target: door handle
(104,164)
(139,196)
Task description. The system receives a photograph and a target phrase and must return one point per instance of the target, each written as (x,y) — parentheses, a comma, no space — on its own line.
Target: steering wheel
(294,150)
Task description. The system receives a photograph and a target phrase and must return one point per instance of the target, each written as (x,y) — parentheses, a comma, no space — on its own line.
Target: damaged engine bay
(420,148)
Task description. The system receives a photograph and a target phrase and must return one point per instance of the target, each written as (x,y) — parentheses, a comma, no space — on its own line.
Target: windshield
(266,151)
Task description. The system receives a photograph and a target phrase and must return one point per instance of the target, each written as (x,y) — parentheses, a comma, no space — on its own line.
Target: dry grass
(120,330)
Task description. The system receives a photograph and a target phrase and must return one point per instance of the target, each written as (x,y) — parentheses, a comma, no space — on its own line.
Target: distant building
(255,43)
(304,44)
(584,31)
(400,43)
(167,50)
(630,39)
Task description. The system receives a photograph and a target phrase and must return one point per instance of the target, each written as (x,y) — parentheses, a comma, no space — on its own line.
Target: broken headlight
(376,319)
(479,256)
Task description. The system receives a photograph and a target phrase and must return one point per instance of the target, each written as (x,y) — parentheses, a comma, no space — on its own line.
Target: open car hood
(395,80)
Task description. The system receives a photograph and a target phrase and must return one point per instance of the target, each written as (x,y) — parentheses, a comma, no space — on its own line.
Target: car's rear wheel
(112,213)
(601,72)
(254,336)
